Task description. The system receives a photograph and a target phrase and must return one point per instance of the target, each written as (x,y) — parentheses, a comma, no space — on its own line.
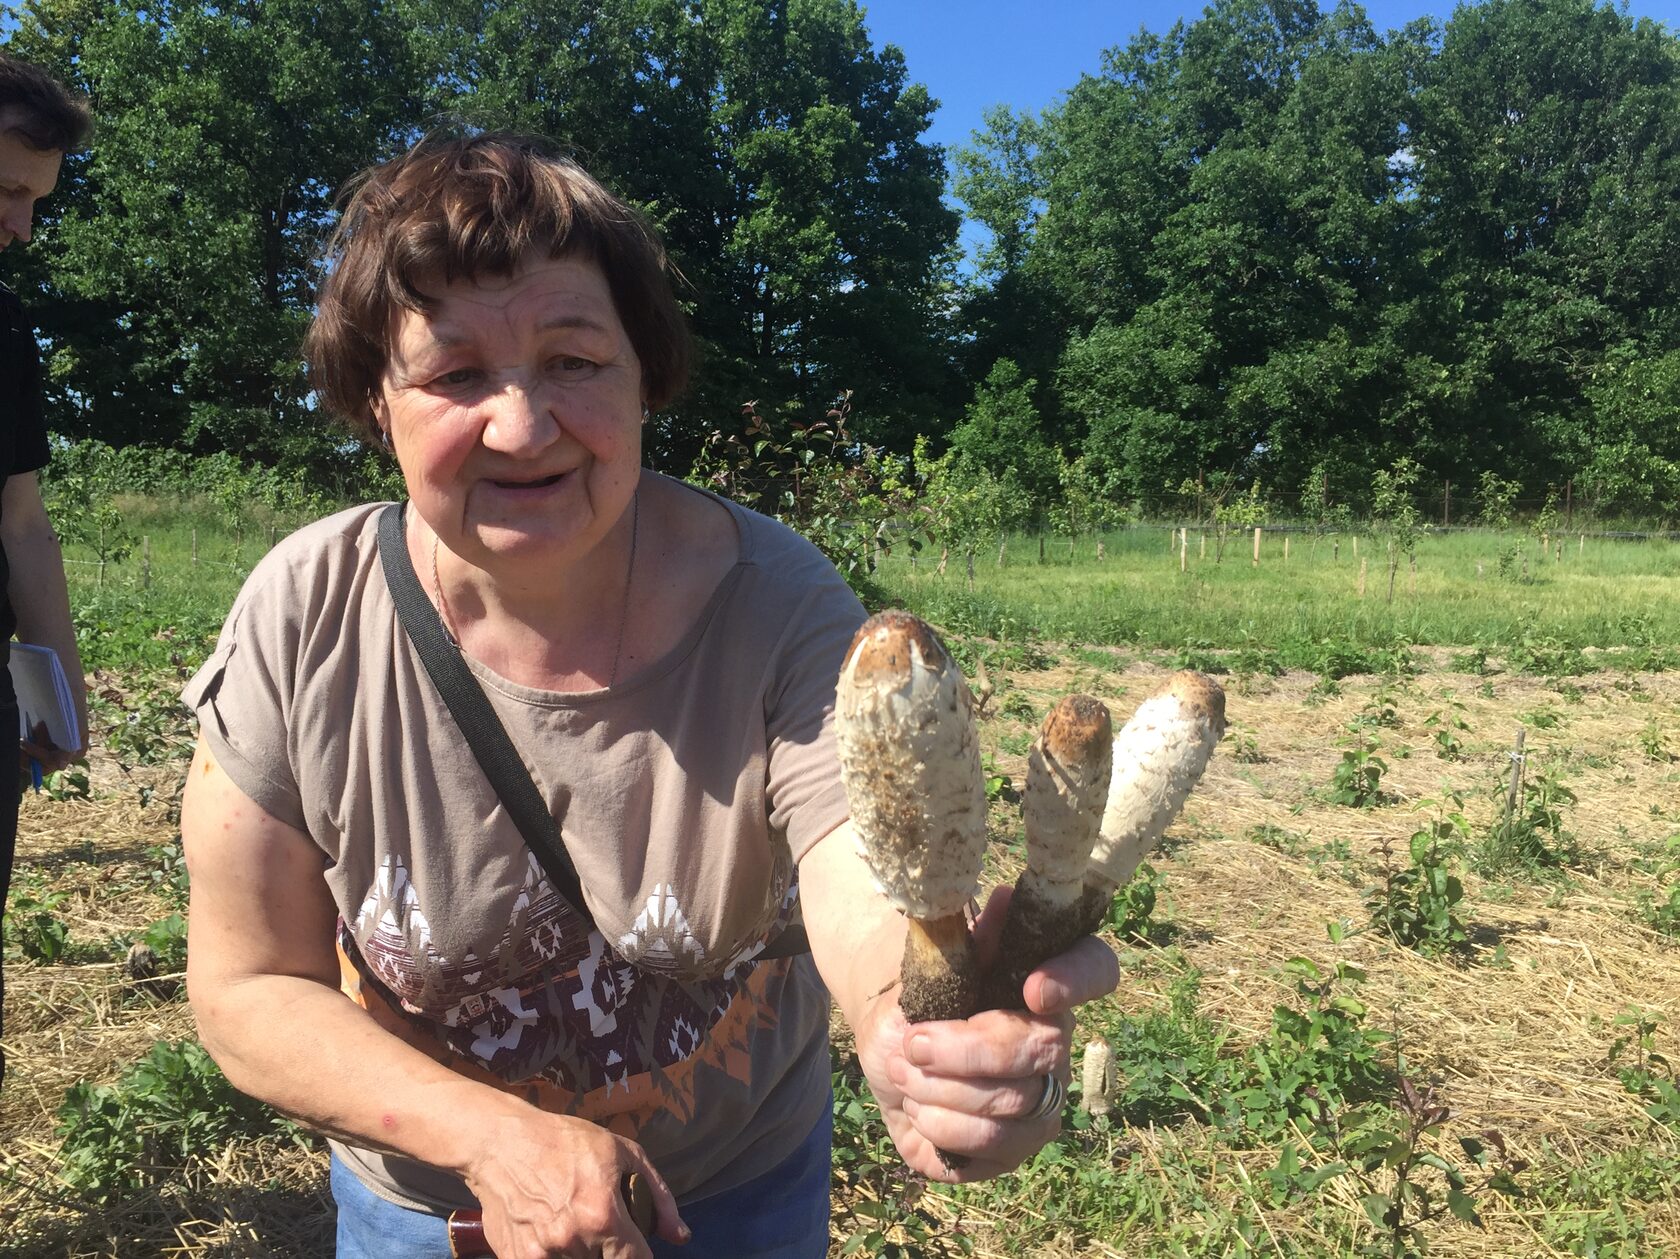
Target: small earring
(385,439)
(644,413)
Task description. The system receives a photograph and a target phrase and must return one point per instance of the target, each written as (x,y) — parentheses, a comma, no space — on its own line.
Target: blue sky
(1026,53)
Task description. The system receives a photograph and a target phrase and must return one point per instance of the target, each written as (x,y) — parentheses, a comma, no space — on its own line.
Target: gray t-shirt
(686,794)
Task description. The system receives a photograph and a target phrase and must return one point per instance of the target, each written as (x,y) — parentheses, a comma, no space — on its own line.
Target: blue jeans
(782,1214)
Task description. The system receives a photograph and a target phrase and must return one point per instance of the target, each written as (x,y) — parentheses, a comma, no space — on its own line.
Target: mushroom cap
(1158,757)
(1066,788)
(910,762)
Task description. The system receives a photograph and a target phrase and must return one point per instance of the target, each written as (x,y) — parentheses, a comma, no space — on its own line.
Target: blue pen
(35,772)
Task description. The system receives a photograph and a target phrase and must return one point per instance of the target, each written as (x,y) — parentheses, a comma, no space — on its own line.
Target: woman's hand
(969,1088)
(549,1186)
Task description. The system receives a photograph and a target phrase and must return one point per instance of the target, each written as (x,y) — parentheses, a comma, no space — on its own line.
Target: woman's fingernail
(920,1049)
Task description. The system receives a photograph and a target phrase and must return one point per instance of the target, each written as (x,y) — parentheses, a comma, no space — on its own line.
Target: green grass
(1611,593)
(165,612)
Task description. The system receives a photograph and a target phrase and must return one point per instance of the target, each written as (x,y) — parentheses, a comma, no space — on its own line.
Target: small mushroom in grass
(1158,757)
(910,761)
(1097,1079)
(1062,805)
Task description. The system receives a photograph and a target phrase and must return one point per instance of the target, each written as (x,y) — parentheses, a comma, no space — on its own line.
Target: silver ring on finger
(1053,1099)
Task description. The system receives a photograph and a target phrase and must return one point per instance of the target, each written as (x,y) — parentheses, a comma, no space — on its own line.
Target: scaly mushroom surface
(1159,756)
(1062,806)
(910,762)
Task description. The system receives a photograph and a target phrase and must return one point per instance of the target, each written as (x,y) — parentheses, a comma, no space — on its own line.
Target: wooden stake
(1286,548)
(1335,550)
(1515,788)
(1183,551)
(1356,546)
(1582,549)
(1256,546)
(195,548)
(1204,545)
(1102,553)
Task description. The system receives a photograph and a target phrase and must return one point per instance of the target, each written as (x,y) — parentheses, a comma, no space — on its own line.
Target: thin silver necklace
(623,612)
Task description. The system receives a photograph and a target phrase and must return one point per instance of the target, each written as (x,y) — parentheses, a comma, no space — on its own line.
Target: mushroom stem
(1062,804)
(910,761)
(940,973)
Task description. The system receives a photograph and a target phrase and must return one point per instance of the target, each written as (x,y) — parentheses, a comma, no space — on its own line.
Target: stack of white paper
(43,695)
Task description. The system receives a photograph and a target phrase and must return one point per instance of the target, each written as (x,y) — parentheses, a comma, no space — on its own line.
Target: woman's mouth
(536,483)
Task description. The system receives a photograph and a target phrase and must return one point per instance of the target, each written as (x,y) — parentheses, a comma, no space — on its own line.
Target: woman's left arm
(961,1087)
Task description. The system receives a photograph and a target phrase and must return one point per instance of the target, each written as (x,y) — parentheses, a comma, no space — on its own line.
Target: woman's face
(515,410)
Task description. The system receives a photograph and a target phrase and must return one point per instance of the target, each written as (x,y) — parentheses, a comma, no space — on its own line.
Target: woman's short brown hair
(459,207)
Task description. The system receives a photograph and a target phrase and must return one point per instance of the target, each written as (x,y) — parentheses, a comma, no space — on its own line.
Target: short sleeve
(805,795)
(242,696)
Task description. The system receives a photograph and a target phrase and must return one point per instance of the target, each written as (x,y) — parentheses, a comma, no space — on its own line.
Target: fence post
(1446,504)
(195,547)
(1286,548)
(1256,546)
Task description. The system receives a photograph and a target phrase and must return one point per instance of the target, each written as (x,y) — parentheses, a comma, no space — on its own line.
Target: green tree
(1394,513)
(779,152)
(175,270)
(1001,434)
(1546,146)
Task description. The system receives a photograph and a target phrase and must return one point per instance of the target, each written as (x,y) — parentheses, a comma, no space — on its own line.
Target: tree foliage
(1281,242)
(1267,245)
(777,148)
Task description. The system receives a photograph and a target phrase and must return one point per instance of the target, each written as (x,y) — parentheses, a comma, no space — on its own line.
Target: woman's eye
(460,376)
(572,363)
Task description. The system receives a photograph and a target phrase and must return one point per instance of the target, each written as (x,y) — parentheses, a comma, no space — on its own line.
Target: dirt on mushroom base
(1519,1045)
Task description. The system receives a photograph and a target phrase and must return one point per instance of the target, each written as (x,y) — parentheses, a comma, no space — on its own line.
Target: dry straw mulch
(1516,1040)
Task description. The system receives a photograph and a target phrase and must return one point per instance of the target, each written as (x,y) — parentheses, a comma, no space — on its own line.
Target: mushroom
(1097,1079)
(1062,805)
(910,762)
(1158,757)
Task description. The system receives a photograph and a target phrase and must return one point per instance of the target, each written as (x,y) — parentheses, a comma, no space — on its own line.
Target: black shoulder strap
(487,738)
(483,730)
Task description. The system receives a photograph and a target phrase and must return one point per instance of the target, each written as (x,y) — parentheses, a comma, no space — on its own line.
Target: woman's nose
(520,419)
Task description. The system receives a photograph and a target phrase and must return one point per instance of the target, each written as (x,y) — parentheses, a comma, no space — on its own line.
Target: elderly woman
(664,662)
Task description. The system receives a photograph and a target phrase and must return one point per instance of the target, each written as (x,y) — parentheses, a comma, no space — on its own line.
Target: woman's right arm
(263,976)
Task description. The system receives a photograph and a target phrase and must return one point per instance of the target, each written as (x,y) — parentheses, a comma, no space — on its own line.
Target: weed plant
(1131,912)
(1644,1070)
(1357,780)
(33,924)
(1532,839)
(1415,905)
(169,1115)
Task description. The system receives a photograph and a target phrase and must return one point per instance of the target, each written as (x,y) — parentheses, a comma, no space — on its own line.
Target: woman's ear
(382,421)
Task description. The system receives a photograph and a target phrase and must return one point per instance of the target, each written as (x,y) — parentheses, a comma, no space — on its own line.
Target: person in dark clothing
(40,121)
